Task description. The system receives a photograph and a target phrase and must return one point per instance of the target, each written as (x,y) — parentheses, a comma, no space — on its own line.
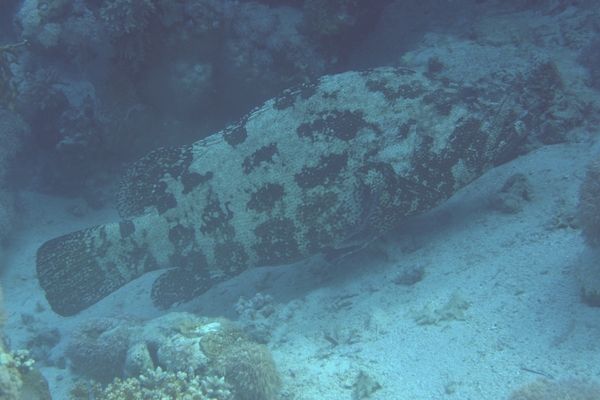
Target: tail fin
(79,269)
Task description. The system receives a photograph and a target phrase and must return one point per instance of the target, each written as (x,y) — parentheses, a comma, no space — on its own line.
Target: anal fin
(181,285)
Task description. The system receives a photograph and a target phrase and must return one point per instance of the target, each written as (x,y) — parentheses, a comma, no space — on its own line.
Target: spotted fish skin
(325,167)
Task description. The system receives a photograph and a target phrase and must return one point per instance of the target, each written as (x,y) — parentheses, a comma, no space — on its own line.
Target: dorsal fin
(146,183)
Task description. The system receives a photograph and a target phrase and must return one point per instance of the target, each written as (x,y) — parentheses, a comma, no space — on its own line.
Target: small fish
(326,167)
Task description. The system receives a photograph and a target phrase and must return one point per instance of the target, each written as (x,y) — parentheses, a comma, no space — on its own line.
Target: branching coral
(177,356)
(19,379)
(157,385)
(10,378)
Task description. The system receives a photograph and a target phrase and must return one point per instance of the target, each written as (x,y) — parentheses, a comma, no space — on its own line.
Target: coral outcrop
(127,22)
(10,378)
(19,379)
(179,355)
(99,347)
(250,368)
(257,317)
(8,81)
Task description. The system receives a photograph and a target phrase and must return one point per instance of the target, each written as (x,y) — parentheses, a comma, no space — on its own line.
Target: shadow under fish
(326,167)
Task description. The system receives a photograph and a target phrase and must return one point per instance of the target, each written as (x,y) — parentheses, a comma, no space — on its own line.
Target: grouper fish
(326,167)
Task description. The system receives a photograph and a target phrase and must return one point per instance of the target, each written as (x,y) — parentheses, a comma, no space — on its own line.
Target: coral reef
(8,81)
(157,385)
(127,22)
(10,378)
(175,56)
(33,18)
(8,214)
(186,81)
(250,368)
(19,379)
(69,145)
(13,130)
(167,51)
(178,355)
(327,18)
(336,26)
(99,347)
(43,340)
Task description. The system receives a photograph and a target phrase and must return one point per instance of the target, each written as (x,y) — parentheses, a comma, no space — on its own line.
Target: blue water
(88,87)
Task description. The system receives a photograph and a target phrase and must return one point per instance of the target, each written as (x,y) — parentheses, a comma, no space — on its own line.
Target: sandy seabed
(516,275)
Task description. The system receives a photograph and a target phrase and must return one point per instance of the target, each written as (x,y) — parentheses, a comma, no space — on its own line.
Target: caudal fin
(79,269)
